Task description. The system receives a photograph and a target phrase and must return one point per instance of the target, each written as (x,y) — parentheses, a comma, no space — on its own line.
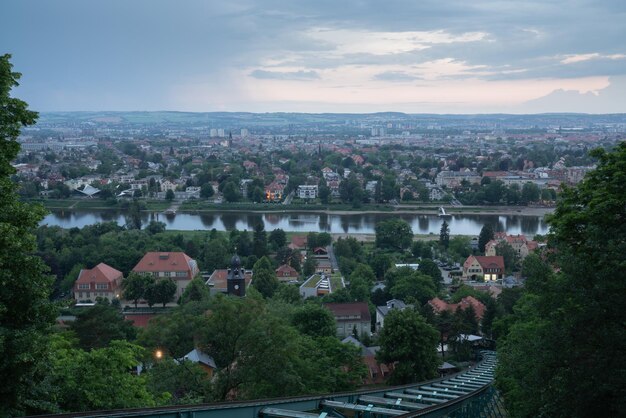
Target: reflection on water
(363,223)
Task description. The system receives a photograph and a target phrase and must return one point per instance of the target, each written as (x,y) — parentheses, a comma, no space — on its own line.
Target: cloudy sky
(415,56)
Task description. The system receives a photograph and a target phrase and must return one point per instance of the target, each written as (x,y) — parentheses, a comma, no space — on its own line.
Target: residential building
(454,179)
(307,191)
(519,243)
(350,317)
(176,265)
(383,311)
(487,268)
(377,372)
(274,192)
(286,273)
(439,306)
(202,359)
(101,281)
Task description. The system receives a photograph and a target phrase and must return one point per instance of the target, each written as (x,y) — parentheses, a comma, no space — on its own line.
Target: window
(102,286)
(167,273)
(83,286)
(181,274)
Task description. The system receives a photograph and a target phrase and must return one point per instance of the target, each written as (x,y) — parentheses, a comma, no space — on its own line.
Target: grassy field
(54,203)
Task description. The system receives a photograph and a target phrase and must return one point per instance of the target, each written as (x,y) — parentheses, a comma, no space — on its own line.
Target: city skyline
(353,57)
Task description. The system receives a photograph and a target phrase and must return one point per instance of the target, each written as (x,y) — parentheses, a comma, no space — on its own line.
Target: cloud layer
(354,55)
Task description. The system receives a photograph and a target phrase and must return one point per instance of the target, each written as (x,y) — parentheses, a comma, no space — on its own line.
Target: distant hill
(245,119)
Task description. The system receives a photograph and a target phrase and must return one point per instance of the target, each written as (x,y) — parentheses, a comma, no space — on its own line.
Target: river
(353,223)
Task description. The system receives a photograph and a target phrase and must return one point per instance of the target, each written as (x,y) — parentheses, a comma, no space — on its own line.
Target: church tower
(236,282)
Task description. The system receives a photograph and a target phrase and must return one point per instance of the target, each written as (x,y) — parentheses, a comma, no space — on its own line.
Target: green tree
(185,382)
(176,331)
(134,286)
(380,263)
(511,258)
(407,339)
(444,235)
(486,235)
(163,291)
(324,194)
(314,321)
(393,234)
(169,195)
(288,293)
(265,282)
(277,239)
(530,192)
(98,325)
(414,288)
(564,353)
(309,266)
(155,227)
(98,379)
(350,191)
(231,192)
(206,190)
(215,254)
(196,291)
(259,240)
(430,268)
(25,314)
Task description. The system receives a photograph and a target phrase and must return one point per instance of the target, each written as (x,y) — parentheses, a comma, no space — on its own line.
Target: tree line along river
(352,223)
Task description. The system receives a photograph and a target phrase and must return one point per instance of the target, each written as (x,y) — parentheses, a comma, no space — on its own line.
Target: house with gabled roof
(382,311)
(351,316)
(101,281)
(439,306)
(286,273)
(487,268)
(177,266)
(377,372)
(519,243)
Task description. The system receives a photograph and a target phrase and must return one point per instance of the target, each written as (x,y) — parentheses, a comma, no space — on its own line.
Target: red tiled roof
(439,305)
(347,309)
(102,273)
(286,269)
(167,261)
(490,261)
(478,306)
(299,241)
(515,238)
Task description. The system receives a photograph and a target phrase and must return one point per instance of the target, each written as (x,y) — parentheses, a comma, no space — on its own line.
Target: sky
(346,56)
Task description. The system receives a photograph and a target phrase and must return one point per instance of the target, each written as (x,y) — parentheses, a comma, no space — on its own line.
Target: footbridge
(466,394)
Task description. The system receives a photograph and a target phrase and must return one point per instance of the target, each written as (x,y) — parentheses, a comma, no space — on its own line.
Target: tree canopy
(25,314)
(393,234)
(564,353)
(408,339)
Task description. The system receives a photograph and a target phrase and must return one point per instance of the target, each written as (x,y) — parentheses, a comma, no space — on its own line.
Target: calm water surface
(353,223)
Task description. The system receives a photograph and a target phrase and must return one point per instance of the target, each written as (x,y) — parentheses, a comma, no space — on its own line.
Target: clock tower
(236,282)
